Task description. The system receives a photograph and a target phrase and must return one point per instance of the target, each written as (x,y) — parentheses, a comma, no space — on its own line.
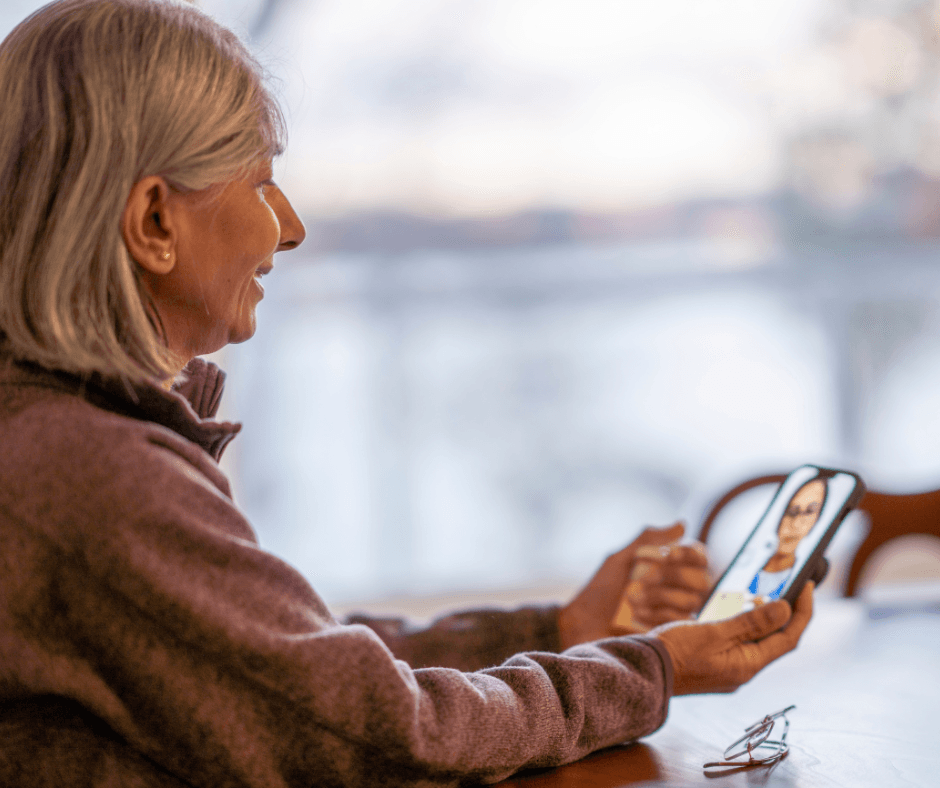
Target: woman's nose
(293,231)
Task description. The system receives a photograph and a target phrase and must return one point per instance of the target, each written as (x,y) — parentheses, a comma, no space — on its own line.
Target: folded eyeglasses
(757,745)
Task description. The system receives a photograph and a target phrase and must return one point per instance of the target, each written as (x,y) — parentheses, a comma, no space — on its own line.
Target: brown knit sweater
(147,640)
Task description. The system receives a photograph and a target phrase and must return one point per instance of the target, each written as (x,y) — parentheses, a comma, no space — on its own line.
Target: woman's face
(801,515)
(225,243)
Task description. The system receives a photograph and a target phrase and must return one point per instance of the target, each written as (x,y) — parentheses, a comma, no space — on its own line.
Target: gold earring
(166,255)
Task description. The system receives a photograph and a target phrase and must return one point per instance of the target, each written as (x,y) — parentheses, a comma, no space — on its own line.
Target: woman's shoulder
(42,417)
(98,415)
(66,457)
(54,427)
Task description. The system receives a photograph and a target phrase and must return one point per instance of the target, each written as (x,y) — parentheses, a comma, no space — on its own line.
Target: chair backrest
(891,516)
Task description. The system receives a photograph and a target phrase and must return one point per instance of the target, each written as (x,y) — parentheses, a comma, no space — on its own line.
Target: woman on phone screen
(797,521)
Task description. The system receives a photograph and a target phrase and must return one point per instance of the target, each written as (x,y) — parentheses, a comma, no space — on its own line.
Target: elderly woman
(145,638)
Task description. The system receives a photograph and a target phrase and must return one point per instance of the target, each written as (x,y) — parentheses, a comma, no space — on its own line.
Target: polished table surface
(866,684)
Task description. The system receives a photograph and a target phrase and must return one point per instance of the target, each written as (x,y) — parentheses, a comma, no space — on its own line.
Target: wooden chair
(891,516)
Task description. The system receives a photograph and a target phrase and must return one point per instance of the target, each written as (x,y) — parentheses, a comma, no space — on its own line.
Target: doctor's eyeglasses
(756,744)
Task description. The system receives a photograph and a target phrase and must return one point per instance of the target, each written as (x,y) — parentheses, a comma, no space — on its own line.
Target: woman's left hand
(652,581)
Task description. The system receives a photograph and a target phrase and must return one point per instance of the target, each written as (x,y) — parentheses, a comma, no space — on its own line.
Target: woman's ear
(147,227)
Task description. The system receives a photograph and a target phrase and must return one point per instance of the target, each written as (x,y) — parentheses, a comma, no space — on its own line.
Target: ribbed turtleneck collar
(188,408)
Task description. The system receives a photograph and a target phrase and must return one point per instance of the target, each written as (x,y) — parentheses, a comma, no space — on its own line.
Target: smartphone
(786,546)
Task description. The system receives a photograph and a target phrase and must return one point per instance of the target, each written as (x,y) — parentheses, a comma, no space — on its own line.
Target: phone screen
(797,525)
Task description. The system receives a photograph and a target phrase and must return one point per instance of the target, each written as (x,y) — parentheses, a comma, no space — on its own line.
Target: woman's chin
(243,332)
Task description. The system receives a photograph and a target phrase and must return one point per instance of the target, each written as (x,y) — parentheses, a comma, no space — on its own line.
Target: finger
(653,553)
(822,569)
(618,563)
(803,609)
(693,578)
(677,598)
(689,554)
(662,615)
(756,624)
(647,572)
(784,641)
(652,545)
(660,536)
(779,643)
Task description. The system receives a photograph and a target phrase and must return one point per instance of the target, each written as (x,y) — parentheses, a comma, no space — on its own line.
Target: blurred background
(577,267)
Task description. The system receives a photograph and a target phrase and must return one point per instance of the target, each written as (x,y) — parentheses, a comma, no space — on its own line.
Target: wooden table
(866,684)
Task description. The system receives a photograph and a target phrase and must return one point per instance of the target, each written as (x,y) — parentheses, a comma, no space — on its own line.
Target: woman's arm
(138,592)
(469,640)
(654,579)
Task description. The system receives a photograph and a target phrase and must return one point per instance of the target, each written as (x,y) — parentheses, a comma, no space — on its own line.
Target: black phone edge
(809,568)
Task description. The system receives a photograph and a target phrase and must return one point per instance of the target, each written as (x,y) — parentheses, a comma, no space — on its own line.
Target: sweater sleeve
(148,602)
(469,640)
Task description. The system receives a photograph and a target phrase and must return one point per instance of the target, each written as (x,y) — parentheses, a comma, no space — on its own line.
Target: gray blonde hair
(95,95)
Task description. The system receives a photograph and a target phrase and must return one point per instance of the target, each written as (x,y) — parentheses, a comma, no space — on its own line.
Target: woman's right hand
(721,656)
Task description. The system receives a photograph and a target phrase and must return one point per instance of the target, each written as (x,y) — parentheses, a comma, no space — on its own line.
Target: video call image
(784,539)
